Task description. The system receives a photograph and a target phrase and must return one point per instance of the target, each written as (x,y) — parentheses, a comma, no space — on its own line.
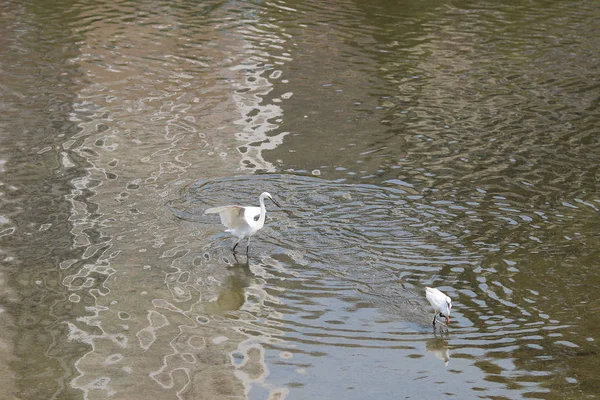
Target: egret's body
(243,222)
(441,303)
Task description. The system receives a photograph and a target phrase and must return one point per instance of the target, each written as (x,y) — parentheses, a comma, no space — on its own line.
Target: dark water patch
(486,124)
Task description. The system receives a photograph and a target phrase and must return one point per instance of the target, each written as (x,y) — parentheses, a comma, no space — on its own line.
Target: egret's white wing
(231,216)
(430,293)
(435,297)
(438,300)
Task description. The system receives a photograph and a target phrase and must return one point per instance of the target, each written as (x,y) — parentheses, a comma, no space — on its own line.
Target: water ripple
(457,147)
(354,259)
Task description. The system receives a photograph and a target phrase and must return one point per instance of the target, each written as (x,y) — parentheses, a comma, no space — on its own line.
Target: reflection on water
(439,347)
(451,145)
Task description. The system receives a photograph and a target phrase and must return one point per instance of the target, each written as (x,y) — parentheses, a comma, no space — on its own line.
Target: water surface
(447,144)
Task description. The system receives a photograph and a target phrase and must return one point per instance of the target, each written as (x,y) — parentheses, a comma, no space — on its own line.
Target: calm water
(450,144)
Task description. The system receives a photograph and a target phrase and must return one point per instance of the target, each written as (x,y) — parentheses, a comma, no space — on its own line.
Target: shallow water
(429,144)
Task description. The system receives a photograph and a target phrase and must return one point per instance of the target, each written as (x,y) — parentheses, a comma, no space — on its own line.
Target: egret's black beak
(275,201)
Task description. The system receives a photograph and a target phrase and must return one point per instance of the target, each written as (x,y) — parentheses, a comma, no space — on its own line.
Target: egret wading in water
(440,302)
(243,221)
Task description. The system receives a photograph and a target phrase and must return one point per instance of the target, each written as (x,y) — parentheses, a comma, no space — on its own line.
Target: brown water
(412,144)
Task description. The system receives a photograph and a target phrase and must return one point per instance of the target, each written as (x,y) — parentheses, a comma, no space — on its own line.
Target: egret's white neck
(263,210)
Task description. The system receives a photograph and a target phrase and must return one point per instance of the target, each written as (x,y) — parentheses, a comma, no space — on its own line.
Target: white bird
(440,302)
(243,221)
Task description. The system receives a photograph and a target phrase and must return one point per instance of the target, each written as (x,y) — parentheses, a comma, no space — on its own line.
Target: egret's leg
(248,247)
(434,318)
(238,242)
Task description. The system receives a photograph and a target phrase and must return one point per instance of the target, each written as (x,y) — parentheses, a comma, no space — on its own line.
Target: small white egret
(440,302)
(243,221)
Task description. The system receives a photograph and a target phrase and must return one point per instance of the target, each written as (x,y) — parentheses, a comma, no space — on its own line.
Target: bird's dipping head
(446,318)
(449,304)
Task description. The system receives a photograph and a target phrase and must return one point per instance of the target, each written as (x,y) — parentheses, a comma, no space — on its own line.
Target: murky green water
(447,144)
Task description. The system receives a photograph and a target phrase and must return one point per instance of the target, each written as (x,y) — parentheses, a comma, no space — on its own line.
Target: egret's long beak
(275,201)
(447,320)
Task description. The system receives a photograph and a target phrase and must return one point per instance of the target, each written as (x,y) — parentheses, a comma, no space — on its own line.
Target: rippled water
(419,144)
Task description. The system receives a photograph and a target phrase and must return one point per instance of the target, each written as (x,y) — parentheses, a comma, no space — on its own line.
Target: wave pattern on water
(352,261)
(458,145)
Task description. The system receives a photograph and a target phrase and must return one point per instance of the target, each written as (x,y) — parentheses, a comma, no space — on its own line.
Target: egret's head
(267,195)
(449,305)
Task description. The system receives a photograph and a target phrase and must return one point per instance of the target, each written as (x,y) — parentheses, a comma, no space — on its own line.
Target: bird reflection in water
(233,295)
(439,348)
